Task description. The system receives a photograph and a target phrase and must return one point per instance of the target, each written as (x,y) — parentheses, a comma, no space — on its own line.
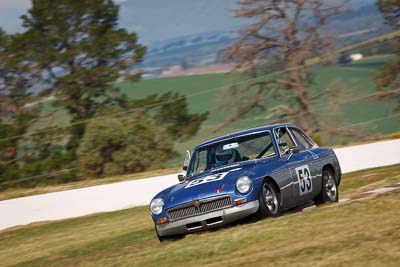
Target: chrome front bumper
(208,220)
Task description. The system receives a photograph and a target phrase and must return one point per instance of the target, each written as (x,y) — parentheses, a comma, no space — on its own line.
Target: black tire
(329,191)
(168,238)
(163,239)
(269,202)
(160,238)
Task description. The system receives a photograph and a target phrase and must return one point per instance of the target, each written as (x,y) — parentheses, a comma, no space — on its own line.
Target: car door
(305,167)
(299,165)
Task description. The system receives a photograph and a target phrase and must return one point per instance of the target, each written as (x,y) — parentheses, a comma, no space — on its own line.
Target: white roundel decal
(304,178)
(207,179)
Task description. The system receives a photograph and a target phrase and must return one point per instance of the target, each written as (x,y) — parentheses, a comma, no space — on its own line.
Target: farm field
(205,93)
(360,233)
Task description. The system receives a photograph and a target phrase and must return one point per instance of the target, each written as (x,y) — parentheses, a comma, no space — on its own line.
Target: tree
(79,52)
(391,11)
(388,78)
(139,140)
(16,79)
(170,110)
(15,119)
(284,34)
(75,51)
(71,49)
(123,144)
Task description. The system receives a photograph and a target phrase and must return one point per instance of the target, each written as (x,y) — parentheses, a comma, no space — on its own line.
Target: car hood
(218,182)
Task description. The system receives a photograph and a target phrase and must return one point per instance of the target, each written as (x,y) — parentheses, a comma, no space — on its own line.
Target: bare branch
(285,34)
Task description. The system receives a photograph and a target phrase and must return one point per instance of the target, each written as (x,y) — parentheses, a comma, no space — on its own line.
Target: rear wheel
(269,201)
(329,191)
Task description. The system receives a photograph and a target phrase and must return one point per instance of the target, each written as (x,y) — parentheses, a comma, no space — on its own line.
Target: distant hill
(199,50)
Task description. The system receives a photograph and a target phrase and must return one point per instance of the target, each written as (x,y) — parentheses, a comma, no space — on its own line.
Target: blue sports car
(261,172)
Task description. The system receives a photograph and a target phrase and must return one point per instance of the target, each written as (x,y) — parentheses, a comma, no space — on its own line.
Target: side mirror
(181,178)
(293,150)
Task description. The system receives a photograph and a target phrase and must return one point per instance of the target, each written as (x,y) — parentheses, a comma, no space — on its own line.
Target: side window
(301,140)
(260,145)
(285,141)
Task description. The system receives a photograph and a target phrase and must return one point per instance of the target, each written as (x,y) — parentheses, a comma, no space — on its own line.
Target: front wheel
(269,202)
(168,238)
(329,192)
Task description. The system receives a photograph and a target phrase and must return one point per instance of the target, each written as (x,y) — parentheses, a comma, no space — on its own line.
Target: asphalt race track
(122,195)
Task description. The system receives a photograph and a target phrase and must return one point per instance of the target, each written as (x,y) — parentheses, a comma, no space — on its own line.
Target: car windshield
(231,151)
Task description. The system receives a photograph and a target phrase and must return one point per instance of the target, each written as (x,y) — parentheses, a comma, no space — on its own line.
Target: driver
(224,157)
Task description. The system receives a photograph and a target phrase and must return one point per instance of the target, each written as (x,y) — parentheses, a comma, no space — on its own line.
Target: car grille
(206,205)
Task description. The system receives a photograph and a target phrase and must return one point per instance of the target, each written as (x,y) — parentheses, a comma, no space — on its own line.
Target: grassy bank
(361,233)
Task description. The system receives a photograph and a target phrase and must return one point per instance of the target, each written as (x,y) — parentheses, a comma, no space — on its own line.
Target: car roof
(242,133)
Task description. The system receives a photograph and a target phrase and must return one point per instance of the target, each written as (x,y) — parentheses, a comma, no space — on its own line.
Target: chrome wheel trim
(330,186)
(271,201)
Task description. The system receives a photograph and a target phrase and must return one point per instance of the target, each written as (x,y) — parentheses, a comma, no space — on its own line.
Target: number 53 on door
(304,178)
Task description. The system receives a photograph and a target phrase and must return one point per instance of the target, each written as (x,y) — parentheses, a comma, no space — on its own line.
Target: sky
(10,11)
(153,20)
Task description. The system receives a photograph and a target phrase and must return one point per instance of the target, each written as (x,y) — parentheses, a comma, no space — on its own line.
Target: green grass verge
(361,233)
(365,180)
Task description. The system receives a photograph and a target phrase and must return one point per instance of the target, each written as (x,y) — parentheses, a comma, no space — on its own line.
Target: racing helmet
(224,157)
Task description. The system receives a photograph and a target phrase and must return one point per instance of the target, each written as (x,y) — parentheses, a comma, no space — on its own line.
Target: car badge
(196,203)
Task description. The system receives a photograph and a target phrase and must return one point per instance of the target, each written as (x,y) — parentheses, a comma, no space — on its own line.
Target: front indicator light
(162,220)
(240,201)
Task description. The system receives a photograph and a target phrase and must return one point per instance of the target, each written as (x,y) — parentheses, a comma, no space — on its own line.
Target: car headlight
(156,206)
(243,184)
